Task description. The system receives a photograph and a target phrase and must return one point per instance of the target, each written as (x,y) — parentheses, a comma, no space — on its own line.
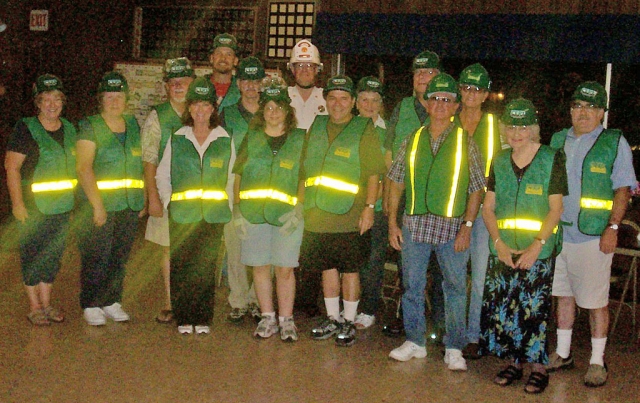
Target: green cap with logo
(274,89)
(370,83)
(113,82)
(250,68)
(591,92)
(443,82)
(426,60)
(175,68)
(340,83)
(201,89)
(47,82)
(475,75)
(225,41)
(519,112)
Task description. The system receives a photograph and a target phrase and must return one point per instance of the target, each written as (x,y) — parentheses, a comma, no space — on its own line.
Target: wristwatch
(613,226)
(468,223)
(370,205)
(542,241)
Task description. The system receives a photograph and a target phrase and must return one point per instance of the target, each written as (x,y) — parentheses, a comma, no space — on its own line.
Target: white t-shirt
(307,111)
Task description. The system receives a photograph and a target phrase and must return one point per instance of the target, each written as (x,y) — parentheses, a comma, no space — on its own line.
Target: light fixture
(3,26)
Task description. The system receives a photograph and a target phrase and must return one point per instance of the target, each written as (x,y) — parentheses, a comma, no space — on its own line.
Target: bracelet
(495,243)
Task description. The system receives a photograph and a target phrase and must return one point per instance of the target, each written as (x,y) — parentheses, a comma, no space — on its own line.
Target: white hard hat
(305,52)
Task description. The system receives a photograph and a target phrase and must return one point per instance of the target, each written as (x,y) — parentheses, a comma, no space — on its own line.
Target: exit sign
(39,20)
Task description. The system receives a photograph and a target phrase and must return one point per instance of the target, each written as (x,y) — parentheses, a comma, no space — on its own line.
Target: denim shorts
(265,245)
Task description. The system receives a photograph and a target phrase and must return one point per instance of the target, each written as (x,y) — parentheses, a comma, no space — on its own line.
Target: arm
(366,217)
(490,220)
(395,233)
(86,152)
(530,254)
(386,183)
(609,237)
(12,164)
(150,139)
(463,238)
(236,189)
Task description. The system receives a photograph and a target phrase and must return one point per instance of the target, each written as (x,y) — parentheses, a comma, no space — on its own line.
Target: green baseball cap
(443,82)
(475,75)
(113,82)
(340,83)
(426,60)
(591,92)
(370,83)
(225,41)
(519,112)
(201,89)
(274,89)
(250,68)
(47,82)
(180,67)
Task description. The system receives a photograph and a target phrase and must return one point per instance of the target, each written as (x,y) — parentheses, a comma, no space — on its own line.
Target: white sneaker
(94,316)
(115,312)
(453,358)
(185,329)
(267,327)
(364,321)
(407,351)
(202,329)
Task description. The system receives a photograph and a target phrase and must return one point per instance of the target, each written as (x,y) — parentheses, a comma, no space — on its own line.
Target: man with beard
(223,59)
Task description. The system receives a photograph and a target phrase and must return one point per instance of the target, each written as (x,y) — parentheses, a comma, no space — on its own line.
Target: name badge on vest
(533,189)
(343,152)
(216,163)
(597,167)
(136,152)
(286,164)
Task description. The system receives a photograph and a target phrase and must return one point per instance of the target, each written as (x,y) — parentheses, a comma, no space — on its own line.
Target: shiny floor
(142,361)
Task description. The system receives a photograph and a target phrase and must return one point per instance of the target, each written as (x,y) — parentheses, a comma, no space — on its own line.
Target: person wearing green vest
(341,169)
(111,198)
(475,85)
(193,184)
(521,210)
(161,123)
(601,176)
(40,162)
(224,59)
(268,206)
(235,119)
(439,168)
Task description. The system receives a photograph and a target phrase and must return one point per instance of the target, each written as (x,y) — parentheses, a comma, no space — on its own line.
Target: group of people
(301,188)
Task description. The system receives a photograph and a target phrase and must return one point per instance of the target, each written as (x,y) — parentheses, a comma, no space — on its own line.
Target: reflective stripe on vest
(268,194)
(53,186)
(120,184)
(194,194)
(490,146)
(332,183)
(596,204)
(521,223)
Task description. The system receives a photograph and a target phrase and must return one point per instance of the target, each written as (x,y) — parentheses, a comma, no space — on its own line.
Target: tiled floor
(142,361)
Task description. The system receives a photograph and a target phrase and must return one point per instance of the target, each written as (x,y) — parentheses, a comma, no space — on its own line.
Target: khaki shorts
(158,229)
(583,272)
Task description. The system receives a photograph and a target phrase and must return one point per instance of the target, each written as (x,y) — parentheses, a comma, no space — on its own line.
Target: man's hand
(608,240)
(463,239)
(366,220)
(395,237)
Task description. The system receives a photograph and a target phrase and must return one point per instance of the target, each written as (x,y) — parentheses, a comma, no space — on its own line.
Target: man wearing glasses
(306,98)
(600,175)
(440,169)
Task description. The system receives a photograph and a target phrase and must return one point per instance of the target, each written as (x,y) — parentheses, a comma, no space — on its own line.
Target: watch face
(613,226)
(468,223)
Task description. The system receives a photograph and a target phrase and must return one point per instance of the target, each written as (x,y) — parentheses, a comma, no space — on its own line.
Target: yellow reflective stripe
(121,184)
(489,147)
(456,172)
(412,168)
(522,223)
(597,204)
(332,183)
(268,194)
(53,186)
(199,194)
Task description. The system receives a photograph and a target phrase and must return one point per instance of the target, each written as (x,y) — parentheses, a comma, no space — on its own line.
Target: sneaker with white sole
(202,329)
(115,313)
(288,330)
(236,315)
(346,335)
(327,328)
(267,327)
(185,329)
(364,321)
(407,351)
(94,316)
(453,358)
(254,311)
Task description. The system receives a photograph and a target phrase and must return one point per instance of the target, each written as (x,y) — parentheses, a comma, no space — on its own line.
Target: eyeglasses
(441,99)
(302,66)
(274,108)
(588,107)
(471,88)
(428,72)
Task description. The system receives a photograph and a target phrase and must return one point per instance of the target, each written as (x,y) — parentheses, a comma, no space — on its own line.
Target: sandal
(53,314)
(38,318)
(537,383)
(165,316)
(508,375)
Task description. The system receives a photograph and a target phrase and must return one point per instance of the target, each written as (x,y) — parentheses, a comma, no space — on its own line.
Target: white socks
(333,307)
(350,310)
(597,351)
(564,342)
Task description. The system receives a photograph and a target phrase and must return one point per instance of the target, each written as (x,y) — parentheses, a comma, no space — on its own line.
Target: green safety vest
(522,207)
(170,122)
(408,123)
(382,133)
(54,178)
(487,137)
(233,93)
(333,170)
(437,184)
(198,187)
(118,168)
(235,124)
(596,198)
(269,183)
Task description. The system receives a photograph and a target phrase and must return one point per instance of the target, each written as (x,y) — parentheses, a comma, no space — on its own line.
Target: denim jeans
(415,260)
(372,273)
(479,255)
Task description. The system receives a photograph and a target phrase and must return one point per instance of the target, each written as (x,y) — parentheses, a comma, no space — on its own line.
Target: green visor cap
(475,75)
(250,68)
(591,92)
(426,60)
(113,82)
(519,112)
(175,68)
(443,82)
(201,89)
(340,83)
(225,41)
(370,83)
(47,82)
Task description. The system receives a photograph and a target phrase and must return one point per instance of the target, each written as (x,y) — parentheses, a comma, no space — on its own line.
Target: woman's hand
(529,256)
(99,216)
(20,213)
(366,220)
(505,253)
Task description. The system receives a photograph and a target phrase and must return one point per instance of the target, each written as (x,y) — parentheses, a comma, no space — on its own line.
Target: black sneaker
(326,329)
(347,334)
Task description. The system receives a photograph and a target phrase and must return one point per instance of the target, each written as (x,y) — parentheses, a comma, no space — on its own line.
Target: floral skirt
(516,309)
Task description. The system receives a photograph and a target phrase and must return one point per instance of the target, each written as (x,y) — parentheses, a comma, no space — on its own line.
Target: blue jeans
(479,255)
(415,259)
(372,273)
